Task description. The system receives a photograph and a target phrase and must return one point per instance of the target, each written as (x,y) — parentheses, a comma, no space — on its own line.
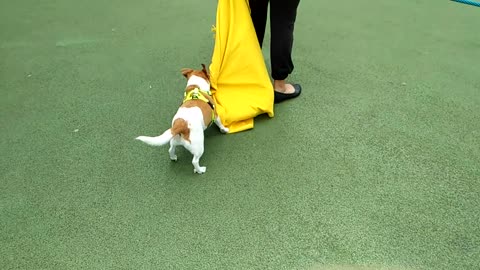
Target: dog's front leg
(218,122)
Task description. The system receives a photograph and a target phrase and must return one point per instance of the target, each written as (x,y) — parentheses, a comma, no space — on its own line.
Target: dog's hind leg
(171,150)
(197,154)
(197,168)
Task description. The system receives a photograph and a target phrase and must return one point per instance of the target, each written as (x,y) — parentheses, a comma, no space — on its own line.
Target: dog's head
(199,78)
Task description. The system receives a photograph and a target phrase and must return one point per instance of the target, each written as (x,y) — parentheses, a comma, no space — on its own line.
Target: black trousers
(282,20)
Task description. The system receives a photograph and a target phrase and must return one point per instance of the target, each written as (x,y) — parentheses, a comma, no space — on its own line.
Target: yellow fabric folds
(240,81)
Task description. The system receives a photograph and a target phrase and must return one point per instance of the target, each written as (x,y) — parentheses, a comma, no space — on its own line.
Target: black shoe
(279,97)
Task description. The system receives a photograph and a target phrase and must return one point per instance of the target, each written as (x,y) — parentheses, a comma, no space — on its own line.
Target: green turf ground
(376,164)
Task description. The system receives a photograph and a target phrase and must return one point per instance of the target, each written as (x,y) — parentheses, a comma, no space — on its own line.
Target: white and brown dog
(195,114)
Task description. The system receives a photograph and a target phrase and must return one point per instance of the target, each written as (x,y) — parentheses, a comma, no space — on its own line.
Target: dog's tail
(157,141)
(179,126)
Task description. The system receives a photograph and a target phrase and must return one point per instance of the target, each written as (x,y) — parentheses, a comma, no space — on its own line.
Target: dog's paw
(173,158)
(200,170)
(224,130)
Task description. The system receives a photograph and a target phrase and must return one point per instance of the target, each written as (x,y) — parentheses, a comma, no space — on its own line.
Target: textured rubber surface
(376,164)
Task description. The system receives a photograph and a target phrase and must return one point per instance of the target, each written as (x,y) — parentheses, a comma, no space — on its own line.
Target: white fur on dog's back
(193,116)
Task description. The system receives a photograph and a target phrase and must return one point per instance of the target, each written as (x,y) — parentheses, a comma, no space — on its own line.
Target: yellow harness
(197,94)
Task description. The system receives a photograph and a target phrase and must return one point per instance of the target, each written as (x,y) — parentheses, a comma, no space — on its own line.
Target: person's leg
(259,10)
(283,14)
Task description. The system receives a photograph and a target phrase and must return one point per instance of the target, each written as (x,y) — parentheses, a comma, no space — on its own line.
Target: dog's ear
(204,70)
(186,72)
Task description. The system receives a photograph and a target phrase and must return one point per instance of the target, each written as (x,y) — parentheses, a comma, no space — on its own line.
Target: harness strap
(196,94)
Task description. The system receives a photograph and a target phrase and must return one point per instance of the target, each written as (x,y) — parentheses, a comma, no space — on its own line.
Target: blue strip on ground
(468,2)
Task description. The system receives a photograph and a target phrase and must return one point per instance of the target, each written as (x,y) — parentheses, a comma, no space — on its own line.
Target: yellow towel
(240,81)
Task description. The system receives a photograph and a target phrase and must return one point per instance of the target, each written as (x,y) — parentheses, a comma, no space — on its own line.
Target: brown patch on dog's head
(203,73)
(186,72)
